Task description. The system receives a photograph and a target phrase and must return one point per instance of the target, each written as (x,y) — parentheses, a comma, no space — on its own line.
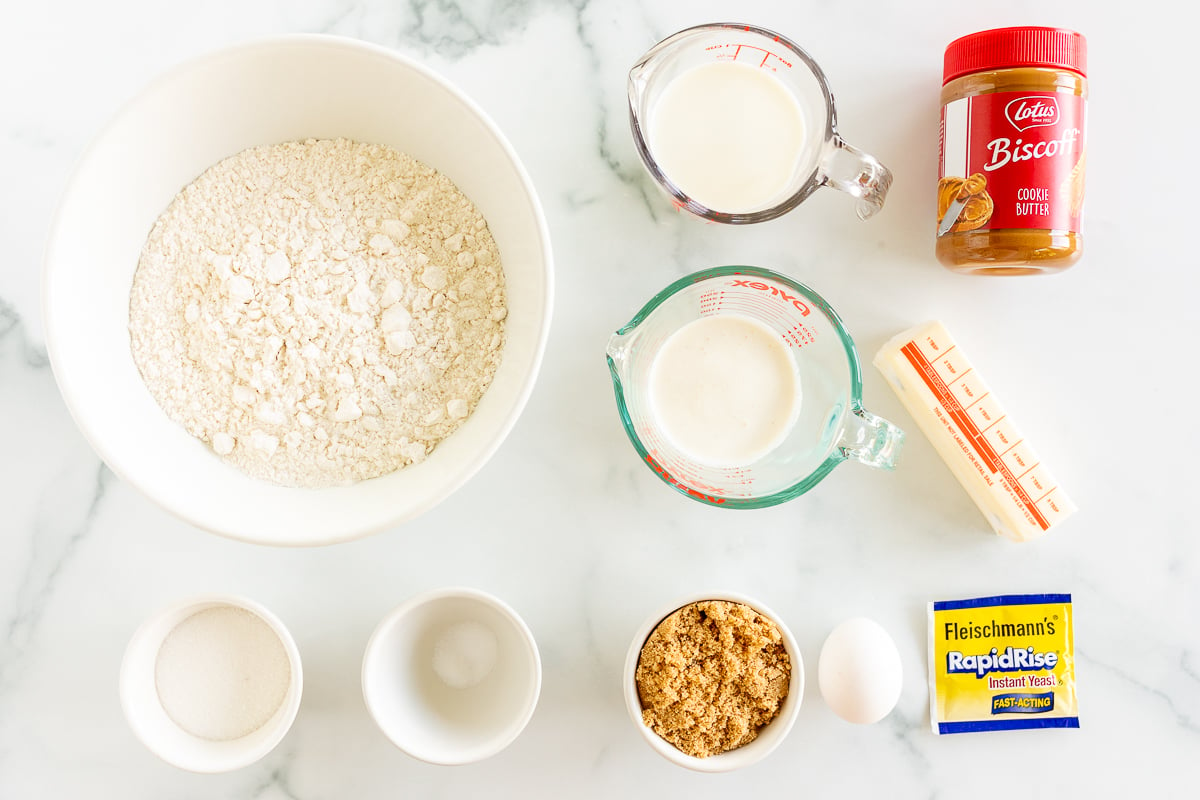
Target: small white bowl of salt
(212,683)
(452,676)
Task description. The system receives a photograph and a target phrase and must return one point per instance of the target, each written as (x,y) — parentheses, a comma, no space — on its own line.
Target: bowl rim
(739,757)
(184,608)
(70,394)
(386,627)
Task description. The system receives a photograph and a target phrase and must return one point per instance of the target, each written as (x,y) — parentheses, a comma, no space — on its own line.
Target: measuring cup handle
(849,169)
(870,439)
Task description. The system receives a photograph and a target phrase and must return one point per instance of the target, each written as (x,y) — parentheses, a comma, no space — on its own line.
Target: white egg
(860,672)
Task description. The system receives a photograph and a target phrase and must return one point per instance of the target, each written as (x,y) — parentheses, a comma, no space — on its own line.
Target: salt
(464,654)
(222,673)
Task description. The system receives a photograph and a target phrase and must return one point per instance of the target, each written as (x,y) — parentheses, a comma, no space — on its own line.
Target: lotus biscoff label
(1002,663)
(1016,158)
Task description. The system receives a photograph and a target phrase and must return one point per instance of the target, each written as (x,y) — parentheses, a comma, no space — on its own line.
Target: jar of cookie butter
(1010,183)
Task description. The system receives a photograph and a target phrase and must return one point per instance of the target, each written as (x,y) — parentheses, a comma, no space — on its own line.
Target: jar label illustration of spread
(1012,160)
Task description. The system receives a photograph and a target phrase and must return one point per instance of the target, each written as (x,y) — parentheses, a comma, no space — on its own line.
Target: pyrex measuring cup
(824,158)
(831,426)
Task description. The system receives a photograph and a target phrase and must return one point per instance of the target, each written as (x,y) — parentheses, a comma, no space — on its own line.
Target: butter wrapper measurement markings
(1002,663)
(963,419)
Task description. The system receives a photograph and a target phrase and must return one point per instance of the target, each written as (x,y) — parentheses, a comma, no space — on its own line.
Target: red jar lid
(1057,48)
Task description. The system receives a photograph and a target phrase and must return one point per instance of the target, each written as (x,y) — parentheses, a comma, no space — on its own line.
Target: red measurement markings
(669,478)
(725,55)
(941,391)
(711,302)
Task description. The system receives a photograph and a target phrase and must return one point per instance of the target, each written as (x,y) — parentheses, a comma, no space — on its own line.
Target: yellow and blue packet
(1002,663)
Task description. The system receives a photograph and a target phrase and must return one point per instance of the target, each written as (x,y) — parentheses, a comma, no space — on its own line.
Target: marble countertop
(564,523)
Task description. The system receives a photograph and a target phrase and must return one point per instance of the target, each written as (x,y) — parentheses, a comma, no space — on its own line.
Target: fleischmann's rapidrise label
(1002,663)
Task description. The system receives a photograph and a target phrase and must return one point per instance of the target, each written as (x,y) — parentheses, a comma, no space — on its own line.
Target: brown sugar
(711,675)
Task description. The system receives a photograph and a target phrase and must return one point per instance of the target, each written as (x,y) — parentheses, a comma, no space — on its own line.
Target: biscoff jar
(1011,174)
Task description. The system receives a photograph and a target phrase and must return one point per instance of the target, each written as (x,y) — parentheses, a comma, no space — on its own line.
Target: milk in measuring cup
(724,390)
(728,135)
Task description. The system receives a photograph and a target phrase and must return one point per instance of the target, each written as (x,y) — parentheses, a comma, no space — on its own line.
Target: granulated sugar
(222,673)
(319,312)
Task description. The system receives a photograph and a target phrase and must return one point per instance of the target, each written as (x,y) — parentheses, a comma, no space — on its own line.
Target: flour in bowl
(319,312)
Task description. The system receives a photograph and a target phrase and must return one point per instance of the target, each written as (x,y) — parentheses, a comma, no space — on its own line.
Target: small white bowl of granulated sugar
(212,683)
(298,291)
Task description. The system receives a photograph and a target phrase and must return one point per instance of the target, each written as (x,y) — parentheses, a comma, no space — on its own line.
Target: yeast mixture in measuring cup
(729,135)
(725,390)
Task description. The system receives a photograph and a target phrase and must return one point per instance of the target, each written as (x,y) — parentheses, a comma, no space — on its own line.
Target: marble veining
(11,326)
(54,541)
(278,783)
(451,30)
(56,534)
(1184,717)
(564,523)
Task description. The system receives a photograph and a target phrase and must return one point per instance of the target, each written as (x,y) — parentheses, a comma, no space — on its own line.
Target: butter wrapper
(970,429)
(1002,663)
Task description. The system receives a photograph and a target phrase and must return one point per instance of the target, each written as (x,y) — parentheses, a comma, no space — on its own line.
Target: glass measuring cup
(824,158)
(831,426)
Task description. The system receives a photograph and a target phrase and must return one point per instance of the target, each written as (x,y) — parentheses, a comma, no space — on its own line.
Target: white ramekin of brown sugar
(709,702)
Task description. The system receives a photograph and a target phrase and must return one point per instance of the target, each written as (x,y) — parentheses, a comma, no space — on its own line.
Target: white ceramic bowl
(265,92)
(161,735)
(771,734)
(418,711)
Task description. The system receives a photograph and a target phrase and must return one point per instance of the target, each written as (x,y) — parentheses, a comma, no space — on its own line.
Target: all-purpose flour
(319,312)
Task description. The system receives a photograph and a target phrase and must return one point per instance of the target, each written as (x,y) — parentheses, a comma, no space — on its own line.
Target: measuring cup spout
(618,346)
(618,353)
(852,171)
(870,439)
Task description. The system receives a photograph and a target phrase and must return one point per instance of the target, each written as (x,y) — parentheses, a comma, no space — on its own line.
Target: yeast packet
(1002,663)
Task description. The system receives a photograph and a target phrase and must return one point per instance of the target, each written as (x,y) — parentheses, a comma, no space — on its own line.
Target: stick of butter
(967,426)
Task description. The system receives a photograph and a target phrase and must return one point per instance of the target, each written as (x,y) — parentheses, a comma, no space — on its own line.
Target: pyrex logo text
(1032,112)
(775,290)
